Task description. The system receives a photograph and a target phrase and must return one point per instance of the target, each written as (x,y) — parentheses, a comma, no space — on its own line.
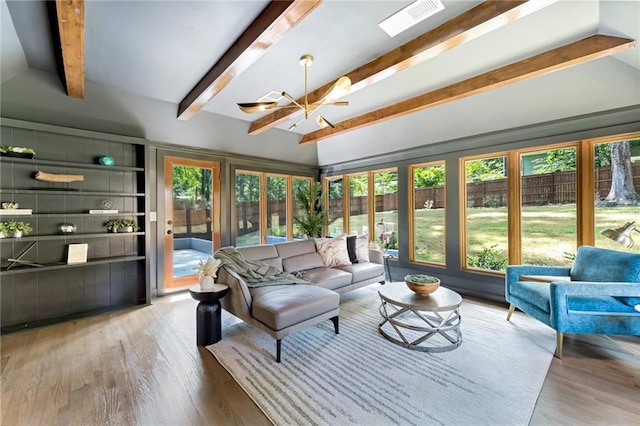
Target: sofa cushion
(351,248)
(333,250)
(603,265)
(362,248)
(280,307)
(295,248)
(363,271)
(303,262)
(258,252)
(330,278)
(533,292)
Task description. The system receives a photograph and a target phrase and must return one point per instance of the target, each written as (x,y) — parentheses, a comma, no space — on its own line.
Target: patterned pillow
(362,248)
(333,251)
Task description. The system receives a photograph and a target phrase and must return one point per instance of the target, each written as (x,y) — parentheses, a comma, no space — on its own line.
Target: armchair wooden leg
(559,339)
(278,349)
(512,308)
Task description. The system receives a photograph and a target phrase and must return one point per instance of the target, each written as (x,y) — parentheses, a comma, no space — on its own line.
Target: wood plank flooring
(142,367)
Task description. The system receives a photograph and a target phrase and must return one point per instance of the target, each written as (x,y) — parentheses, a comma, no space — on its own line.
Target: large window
(486,226)
(276,209)
(299,184)
(616,188)
(548,213)
(428,212)
(247,208)
(335,214)
(265,207)
(385,184)
(358,204)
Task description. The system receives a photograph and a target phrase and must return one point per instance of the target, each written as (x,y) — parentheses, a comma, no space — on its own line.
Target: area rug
(359,378)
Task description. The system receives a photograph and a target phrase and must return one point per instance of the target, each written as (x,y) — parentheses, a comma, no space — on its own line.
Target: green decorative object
(106,161)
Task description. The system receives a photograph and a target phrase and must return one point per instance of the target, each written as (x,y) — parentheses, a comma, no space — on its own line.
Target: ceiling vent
(410,15)
(272,96)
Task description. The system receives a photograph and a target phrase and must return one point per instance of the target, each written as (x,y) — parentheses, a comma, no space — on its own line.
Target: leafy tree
(358,185)
(486,169)
(556,160)
(424,177)
(192,182)
(385,182)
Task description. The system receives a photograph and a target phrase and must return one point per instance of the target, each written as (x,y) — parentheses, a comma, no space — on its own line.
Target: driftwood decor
(58,178)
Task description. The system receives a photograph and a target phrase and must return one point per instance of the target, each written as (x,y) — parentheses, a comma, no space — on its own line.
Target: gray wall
(38,96)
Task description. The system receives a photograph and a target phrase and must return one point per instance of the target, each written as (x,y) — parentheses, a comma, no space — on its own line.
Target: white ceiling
(161,49)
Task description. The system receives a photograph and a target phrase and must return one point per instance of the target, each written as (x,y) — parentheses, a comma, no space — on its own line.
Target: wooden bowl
(422,288)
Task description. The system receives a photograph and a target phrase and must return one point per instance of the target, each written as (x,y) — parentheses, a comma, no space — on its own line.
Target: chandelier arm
(293,101)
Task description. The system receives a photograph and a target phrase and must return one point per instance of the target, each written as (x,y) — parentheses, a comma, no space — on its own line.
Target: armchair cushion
(602,265)
(535,293)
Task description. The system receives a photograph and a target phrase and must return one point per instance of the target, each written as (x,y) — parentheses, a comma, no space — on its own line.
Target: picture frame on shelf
(77,253)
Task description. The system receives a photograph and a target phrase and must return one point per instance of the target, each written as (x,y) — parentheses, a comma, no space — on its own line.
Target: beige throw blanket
(255,272)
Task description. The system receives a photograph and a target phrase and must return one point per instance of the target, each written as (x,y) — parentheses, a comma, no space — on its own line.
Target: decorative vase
(207,282)
(15,234)
(68,228)
(126,229)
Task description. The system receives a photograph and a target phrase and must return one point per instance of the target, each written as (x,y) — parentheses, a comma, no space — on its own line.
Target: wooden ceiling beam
(480,20)
(576,53)
(278,18)
(70,22)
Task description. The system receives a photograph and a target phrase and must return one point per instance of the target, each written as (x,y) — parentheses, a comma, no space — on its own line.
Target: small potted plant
(3,230)
(128,225)
(17,229)
(113,225)
(15,151)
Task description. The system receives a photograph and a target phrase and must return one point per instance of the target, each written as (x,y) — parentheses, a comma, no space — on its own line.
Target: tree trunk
(622,191)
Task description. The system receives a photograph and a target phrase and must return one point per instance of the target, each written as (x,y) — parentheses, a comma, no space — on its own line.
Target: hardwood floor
(142,367)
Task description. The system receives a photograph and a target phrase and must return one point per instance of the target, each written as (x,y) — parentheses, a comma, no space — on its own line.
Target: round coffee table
(428,323)
(208,313)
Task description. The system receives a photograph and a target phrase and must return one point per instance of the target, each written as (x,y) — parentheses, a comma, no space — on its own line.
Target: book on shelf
(103,211)
(14,212)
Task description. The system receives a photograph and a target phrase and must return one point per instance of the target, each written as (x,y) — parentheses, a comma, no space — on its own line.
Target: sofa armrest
(238,301)
(376,256)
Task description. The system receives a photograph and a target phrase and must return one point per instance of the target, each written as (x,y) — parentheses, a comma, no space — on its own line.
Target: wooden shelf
(69,164)
(102,215)
(37,191)
(69,236)
(50,267)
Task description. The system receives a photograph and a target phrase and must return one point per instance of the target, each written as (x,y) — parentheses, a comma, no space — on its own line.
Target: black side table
(208,313)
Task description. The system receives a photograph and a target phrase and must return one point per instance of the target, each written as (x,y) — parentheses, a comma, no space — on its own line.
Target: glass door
(192,218)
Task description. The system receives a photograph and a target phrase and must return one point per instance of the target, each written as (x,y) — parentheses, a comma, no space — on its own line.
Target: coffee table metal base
(420,328)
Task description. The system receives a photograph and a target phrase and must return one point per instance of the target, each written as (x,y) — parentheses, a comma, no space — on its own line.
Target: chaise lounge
(602,295)
(281,310)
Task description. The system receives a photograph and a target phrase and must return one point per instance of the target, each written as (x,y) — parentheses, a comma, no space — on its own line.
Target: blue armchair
(599,294)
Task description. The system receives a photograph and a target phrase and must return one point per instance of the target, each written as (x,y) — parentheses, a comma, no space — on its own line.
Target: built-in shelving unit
(115,273)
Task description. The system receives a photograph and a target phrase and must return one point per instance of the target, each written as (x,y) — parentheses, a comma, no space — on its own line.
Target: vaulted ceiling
(473,68)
